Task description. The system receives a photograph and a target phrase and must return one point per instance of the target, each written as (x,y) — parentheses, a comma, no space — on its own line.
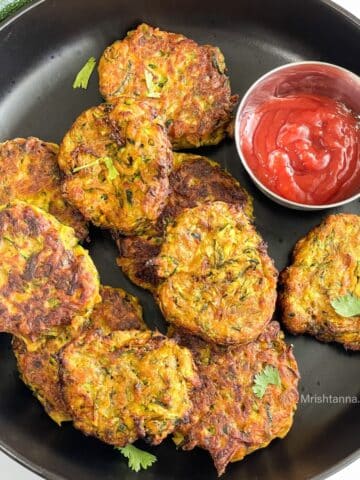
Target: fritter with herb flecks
(188,82)
(216,278)
(47,280)
(325,267)
(231,417)
(29,172)
(117,159)
(127,385)
(117,310)
(39,370)
(194,180)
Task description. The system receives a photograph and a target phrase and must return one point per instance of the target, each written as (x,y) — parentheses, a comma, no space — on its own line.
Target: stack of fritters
(194,180)
(211,275)
(29,171)
(202,259)
(50,302)
(39,369)
(184,231)
(159,87)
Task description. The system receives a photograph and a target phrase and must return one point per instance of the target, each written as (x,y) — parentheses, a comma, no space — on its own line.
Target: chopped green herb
(138,459)
(150,85)
(86,165)
(347,305)
(7,239)
(113,173)
(83,77)
(152,65)
(54,302)
(268,376)
(162,82)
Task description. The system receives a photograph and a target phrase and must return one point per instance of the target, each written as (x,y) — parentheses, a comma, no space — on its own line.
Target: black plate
(41,50)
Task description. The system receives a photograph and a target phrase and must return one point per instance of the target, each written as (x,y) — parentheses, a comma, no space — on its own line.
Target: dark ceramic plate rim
(43,472)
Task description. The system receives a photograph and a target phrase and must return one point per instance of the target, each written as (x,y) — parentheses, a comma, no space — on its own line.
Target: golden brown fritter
(229,419)
(136,259)
(194,180)
(39,370)
(217,280)
(127,385)
(29,172)
(188,82)
(117,158)
(118,310)
(325,266)
(47,280)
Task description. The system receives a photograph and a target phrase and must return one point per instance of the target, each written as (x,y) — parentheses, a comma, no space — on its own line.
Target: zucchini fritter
(118,310)
(194,180)
(228,419)
(39,370)
(217,280)
(29,172)
(325,266)
(117,158)
(136,259)
(187,80)
(47,280)
(127,385)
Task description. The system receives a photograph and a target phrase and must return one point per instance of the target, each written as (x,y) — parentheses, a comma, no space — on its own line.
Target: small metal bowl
(300,77)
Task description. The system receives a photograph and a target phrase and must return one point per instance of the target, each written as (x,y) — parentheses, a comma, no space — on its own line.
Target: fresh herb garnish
(113,173)
(150,85)
(86,165)
(54,302)
(347,305)
(138,459)
(268,376)
(83,77)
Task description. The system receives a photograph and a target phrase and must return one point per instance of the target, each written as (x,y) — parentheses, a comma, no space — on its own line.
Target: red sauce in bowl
(304,147)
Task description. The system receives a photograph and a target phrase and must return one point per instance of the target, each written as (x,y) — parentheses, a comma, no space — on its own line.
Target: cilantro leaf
(268,376)
(347,305)
(83,77)
(113,173)
(150,85)
(138,459)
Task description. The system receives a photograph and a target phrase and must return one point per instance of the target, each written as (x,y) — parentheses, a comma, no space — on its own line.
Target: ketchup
(304,147)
